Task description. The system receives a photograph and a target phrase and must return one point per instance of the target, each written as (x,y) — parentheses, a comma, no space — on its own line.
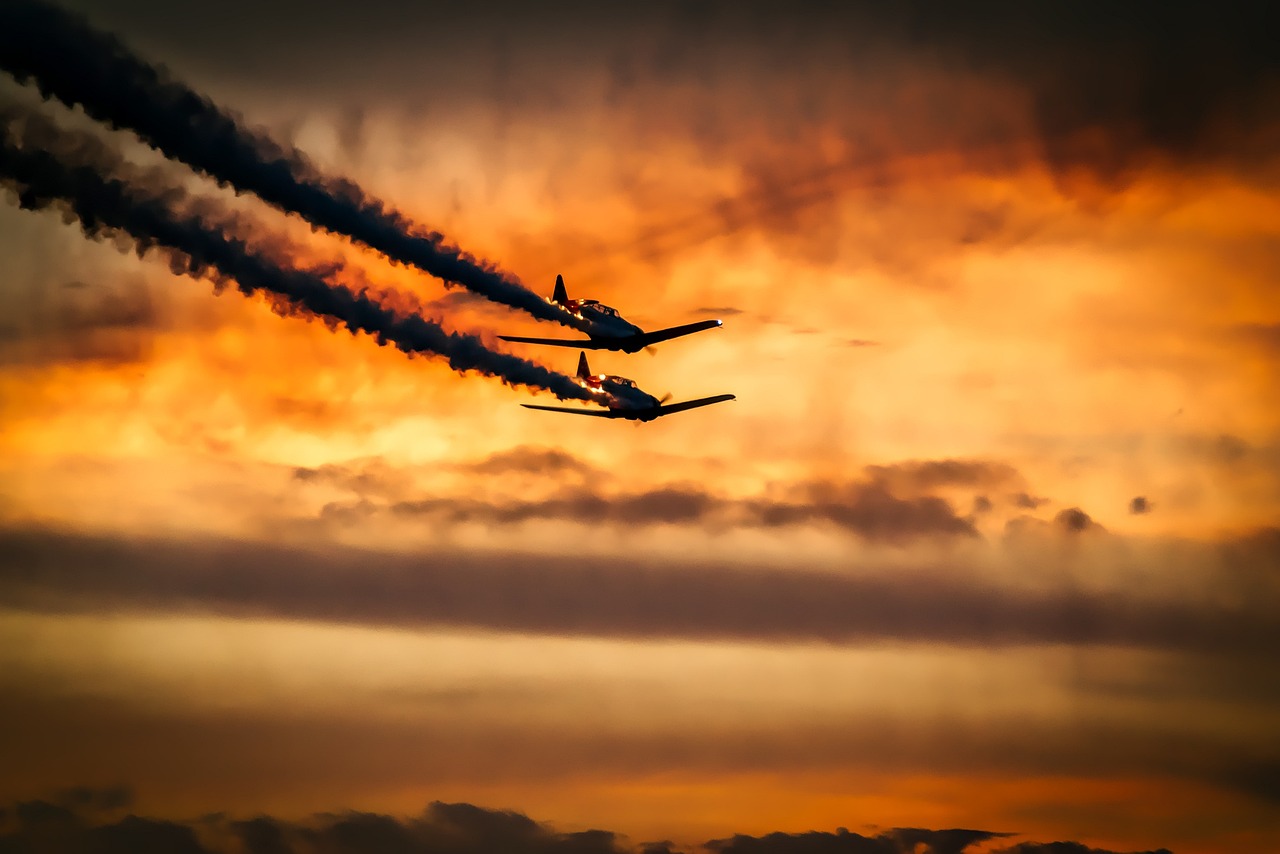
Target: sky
(989,539)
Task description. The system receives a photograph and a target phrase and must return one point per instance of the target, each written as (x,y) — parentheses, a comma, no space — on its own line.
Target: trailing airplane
(609,331)
(623,399)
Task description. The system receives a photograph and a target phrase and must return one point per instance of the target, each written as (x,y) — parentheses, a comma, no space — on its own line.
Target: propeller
(664,398)
(651,350)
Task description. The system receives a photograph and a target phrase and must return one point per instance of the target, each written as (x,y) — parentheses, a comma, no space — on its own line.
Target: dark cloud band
(446,828)
(617,597)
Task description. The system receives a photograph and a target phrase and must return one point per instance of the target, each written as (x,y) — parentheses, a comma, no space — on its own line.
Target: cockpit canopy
(623,381)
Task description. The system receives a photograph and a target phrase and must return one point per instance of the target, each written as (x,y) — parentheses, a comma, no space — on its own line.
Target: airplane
(608,329)
(624,399)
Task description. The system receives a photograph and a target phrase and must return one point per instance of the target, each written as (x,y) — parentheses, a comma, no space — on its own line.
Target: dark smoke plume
(79,66)
(198,246)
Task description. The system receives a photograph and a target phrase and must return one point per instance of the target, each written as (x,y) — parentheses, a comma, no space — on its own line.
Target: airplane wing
(647,338)
(598,413)
(671,409)
(585,344)
(628,342)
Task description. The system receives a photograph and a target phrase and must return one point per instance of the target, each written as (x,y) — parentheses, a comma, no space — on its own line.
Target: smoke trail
(197,246)
(70,61)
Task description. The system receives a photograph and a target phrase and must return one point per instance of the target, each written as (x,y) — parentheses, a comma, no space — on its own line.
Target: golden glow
(1057,329)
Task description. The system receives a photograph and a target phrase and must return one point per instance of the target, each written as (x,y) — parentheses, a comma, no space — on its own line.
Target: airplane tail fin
(560,295)
(583,370)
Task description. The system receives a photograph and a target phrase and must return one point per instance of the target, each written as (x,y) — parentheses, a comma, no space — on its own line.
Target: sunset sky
(990,538)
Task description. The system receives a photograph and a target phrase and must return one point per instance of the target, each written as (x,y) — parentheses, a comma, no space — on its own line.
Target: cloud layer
(624,597)
(443,828)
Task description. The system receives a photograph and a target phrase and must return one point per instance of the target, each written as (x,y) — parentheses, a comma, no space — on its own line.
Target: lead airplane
(609,331)
(624,399)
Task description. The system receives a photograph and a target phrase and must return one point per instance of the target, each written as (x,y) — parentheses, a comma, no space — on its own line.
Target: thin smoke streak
(70,61)
(197,246)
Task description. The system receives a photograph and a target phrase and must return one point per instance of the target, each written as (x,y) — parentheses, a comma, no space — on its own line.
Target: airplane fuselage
(622,398)
(619,393)
(605,320)
(606,329)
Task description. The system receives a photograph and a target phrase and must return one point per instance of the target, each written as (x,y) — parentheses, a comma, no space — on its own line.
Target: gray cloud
(844,842)
(442,829)
(1224,449)
(368,478)
(1070,522)
(76,322)
(375,475)
(634,598)
(890,504)
(1027,501)
(1067,848)
(868,510)
(527,459)
(45,826)
(1259,777)
(447,828)
(379,487)
(920,475)
(94,799)
(1075,520)
(1263,335)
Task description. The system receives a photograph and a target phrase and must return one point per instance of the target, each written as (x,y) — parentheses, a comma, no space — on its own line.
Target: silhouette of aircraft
(609,331)
(623,399)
